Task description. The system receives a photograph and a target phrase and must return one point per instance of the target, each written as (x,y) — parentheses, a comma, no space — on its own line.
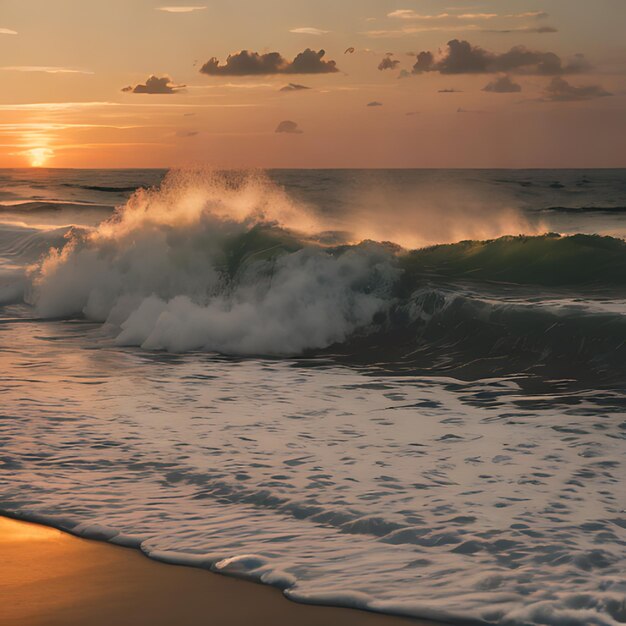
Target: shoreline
(55,578)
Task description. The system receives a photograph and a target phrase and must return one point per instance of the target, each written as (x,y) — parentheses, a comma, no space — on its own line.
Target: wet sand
(51,578)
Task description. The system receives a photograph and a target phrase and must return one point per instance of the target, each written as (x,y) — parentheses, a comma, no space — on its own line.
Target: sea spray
(217,266)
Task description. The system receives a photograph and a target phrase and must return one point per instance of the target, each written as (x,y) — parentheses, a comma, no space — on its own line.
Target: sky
(313,83)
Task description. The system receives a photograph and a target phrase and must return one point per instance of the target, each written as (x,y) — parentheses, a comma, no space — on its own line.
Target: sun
(39,156)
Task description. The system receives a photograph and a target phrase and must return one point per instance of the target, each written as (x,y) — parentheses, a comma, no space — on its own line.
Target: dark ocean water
(401,390)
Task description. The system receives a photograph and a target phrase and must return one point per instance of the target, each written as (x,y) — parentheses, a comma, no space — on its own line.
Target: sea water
(397,390)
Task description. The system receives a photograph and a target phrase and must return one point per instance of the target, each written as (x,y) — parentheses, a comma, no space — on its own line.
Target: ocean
(403,390)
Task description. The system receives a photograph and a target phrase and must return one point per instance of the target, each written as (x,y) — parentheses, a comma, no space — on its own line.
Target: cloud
(413,30)
(308,30)
(294,87)
(559,90)
(407,31)
(537,14)
(388,63)
(502,84)
(461,57)
(410,14)
(524,29)
(457,20)
(7,31)
(55,106)
(155,85)
(44,69)
(287,126)
(425,62)
(449,91)
(180,9)
(374,103)
(69,106)
(247,63)
(187,133)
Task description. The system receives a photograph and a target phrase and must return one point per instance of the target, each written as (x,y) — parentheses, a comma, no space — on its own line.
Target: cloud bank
(462,57)
(246,63)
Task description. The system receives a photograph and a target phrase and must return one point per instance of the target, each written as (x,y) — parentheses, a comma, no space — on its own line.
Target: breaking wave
(232,264)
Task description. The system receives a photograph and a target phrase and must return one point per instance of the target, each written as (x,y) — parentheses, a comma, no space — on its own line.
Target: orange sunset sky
(402,83)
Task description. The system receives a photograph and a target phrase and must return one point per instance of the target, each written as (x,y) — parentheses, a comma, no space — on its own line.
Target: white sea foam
(421,496)
(155,272)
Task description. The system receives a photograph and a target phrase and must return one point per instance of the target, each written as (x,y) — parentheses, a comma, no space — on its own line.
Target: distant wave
(104,188)
(585,209)
(38,206)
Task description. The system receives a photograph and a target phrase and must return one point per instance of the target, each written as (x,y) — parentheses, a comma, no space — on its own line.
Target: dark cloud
(247,63)
(388,63)
(287,126)
(311,62)
(350,50)
(187,133)
(461,57)
(155,85)
(294,87)
(502,84)
(449,91)
(425,63)
(374,103)
(559,90)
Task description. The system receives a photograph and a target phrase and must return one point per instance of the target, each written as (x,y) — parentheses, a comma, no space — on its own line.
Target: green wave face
(550,260)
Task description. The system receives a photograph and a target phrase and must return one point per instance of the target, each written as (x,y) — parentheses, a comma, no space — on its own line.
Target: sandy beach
(51,578)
